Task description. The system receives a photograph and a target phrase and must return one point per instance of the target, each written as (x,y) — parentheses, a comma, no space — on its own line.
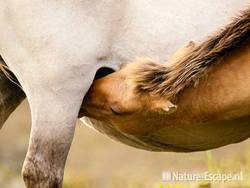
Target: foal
(199,101)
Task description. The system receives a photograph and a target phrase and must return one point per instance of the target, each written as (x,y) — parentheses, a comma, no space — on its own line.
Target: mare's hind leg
(11,95)
(53,124)
(54,104)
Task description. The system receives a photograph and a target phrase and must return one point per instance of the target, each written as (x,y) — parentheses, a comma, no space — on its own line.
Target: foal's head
(114,99)
(117,100)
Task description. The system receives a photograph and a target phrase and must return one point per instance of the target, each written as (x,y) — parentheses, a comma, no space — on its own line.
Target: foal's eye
(117,109)
(114,111)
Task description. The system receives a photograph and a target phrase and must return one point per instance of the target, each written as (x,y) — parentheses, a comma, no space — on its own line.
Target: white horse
(55,48)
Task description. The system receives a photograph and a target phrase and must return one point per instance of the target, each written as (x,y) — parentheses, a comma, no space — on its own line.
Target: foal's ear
(164,106)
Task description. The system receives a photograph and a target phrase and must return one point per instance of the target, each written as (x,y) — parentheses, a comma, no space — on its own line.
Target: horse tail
(5,71)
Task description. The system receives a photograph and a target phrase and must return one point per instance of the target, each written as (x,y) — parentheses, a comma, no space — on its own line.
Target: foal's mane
(170,80)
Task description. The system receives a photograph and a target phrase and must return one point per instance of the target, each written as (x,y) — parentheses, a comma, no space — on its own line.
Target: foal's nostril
(103,71)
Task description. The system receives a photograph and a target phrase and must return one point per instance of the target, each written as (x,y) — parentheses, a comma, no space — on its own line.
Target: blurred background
(95,161)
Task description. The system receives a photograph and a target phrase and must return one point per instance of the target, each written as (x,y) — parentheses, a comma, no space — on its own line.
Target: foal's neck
(224,92)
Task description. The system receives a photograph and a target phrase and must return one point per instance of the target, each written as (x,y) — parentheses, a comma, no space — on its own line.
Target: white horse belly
(158,28)
(85,33)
